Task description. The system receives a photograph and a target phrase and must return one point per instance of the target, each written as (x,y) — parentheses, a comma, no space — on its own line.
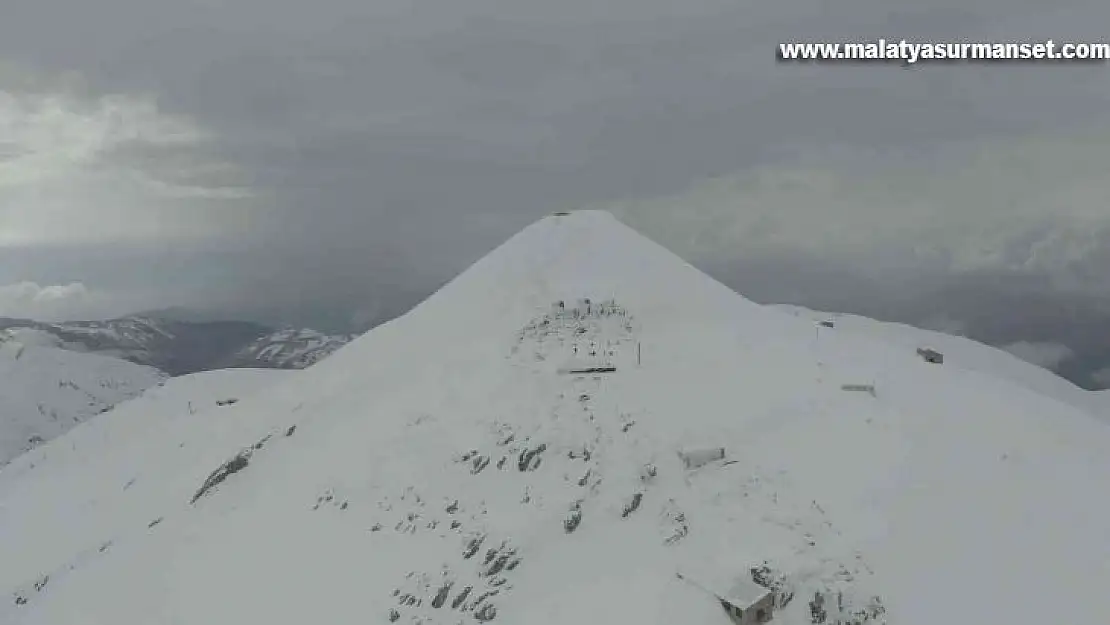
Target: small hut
(931,355)
(745,602)
(697,458)
(748,603)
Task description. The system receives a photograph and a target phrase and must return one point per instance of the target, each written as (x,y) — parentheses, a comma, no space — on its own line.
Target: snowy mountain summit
(580,428)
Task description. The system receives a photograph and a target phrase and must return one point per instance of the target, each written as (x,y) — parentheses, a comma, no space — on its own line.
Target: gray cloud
(335,160)
(1102,377)
(1047,355)
(28,299)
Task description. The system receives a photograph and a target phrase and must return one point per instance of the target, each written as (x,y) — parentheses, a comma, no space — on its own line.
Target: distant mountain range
(180,347)
(289,349)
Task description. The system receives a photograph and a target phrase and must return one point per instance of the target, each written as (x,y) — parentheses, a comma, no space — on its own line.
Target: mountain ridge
(448,467)
(181,347)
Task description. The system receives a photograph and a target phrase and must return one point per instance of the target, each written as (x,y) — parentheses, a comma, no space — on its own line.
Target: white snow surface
(960,353)
(45,391)
(63,502)
(444,451)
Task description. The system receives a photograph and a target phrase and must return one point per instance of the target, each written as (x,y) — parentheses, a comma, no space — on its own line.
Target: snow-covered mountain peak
(510,452)
(585,254)
(577,259)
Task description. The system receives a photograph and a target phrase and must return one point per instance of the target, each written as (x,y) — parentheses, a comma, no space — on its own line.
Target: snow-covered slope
(45,391)
(959,353)
(290,348)
(447,467)
(1101,403)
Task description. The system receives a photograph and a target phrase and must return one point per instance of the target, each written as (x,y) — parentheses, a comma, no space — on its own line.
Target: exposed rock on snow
(236,464)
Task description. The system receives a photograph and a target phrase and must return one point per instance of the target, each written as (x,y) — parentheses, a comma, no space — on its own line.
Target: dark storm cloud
(348,152)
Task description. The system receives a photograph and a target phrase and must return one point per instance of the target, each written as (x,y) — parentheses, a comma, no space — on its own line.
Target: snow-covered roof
(743,592)
(735,589)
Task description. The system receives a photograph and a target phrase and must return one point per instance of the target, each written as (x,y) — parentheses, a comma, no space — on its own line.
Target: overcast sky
(326,162)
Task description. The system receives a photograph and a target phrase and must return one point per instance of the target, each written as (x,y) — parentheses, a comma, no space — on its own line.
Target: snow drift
(447,468)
